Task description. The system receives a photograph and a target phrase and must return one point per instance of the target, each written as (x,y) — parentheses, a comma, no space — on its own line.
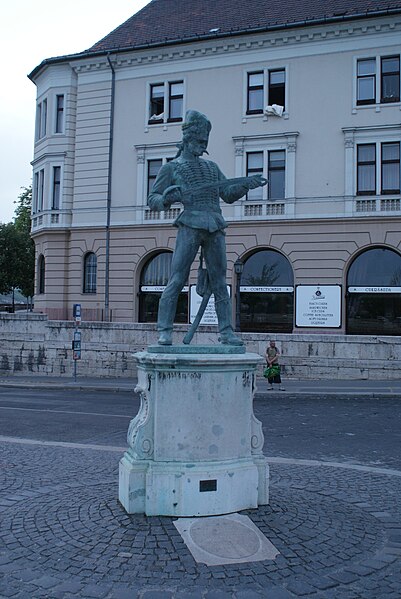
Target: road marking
(67,412)
(270,459)
(61,444)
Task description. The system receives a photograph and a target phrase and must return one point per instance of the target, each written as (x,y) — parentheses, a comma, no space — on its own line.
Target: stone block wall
(30,344)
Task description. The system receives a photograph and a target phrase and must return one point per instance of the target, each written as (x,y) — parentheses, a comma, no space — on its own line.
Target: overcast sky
(30,31)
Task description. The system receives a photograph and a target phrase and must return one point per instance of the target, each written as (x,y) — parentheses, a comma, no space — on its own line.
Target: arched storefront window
(154,277)
(267,293)
(41,274)
(374,293)
(90,273)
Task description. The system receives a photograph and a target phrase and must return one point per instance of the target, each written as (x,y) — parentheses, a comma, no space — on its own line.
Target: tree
(17,250)
(22,223)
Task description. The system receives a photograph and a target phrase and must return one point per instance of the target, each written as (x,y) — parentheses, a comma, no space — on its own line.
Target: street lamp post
(238,268)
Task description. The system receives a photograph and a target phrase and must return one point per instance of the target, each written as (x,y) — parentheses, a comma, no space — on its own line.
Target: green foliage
(17,250)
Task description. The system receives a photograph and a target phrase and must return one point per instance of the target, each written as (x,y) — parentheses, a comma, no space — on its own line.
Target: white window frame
(54,165)
(265,144)
(265,70)
(166,83)
(354,136)
(145,153)
(377,105)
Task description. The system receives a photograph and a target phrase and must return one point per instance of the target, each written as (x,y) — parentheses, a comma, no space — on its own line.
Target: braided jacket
(201,209)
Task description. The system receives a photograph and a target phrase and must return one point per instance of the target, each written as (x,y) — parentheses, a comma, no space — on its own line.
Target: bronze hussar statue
(198,184)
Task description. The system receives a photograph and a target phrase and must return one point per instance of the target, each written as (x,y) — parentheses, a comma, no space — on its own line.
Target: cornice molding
(317,34)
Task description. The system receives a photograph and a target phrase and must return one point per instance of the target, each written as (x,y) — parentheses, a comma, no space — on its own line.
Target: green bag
(270,373)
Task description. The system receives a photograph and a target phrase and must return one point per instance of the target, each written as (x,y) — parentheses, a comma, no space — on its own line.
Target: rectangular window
(59,125)
(390,79)
(166,102)
(366,169)
(38,191)
(153,168)
(276,174)
(390,165)
(366,81)
(254,166)
(56,188)
(176,101)
(277,87)
(255,93)
(156,109)
(41,119)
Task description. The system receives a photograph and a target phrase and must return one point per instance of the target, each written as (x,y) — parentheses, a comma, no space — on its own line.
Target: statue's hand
(171,195)
(256,181)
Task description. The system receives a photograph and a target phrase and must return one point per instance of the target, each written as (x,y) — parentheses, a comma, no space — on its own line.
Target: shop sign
(209,316)
(253,289)
(318,306)
(373,289)
(158,288)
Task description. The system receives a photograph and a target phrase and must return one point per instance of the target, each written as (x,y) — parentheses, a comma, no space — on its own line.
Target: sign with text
(254,289)
(318,306)
(209,316)
(158,288)
(373,289)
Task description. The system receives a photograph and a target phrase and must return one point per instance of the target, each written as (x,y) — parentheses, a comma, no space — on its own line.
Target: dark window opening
(277,87)
(59,114)
(374,311)
(390,79)
(176,101)
(155,275)
(254,166)
(56,188)
(156,109)
(276,175)
(41,274)
(90,273)
(153,168)
(366,169)
(390,168)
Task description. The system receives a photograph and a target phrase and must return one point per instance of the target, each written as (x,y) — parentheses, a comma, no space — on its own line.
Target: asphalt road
(360,430)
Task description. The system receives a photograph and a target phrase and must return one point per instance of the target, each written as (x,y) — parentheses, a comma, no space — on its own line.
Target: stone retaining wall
(31,344)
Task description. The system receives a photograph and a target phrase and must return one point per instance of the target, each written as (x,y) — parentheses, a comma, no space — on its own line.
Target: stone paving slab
(63,534)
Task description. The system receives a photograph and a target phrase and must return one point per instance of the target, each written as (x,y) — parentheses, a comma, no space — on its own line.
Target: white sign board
(318,306)
(374,289)
(158,288)
(209,316)
(248,289)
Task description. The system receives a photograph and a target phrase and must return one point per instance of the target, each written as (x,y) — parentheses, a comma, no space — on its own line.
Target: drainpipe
(109,180)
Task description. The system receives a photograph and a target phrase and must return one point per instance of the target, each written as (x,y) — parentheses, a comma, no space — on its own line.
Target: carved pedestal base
(195,444)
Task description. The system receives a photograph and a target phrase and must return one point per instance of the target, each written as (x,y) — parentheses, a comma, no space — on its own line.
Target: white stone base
(195,444)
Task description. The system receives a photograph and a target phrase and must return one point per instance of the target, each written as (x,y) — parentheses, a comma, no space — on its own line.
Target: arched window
(267,293)
(90,273)
(41,274)
(154,278)
(374,293)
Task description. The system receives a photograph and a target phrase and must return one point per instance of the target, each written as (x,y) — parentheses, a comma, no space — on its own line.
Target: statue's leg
(214,248)
(184,254)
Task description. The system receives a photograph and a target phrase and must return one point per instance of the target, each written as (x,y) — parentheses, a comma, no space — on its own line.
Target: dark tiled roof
(166,21)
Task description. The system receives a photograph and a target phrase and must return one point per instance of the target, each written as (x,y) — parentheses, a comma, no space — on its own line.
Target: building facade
(311,102)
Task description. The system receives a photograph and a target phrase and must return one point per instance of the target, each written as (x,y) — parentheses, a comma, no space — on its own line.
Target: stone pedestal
(195,446)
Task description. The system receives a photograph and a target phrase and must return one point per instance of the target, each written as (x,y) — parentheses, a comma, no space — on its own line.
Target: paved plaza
(334,512)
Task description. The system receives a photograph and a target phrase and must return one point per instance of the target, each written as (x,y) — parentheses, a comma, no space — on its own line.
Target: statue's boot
(165,319)
(227,335)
